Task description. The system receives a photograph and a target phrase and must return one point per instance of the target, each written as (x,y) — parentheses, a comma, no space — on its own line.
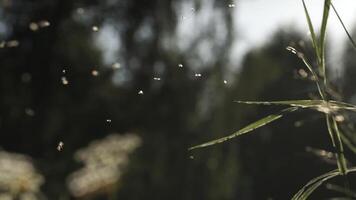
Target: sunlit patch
(180,65)
(231,5)
(225,81)
(108,120)
(327,108)
(140,92)
(104,161)
(324,109)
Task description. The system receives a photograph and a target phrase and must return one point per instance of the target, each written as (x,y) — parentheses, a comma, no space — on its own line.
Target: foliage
(329,108)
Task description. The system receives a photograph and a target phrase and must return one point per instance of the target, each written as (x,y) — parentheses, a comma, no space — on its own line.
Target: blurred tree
(58,86)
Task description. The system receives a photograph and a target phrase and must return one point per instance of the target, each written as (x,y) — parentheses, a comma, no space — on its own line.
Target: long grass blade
(313,184)
(342,190)
(306,190)
(310,68)
(324,24)
(323,36)
(339,148)
(312,32)
(295,103)
(348,143)
(343,25)
(248,128)
(344,137)
(337,143)
(319,105)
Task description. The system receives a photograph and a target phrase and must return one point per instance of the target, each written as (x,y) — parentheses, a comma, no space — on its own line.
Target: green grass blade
(343,105)
(295,103)
(334,133)
(323,36)
(324,24)
(248,128)
(342,190)
(313,184)
(348,142)
(319,105)
(313,187)
(310,68)
(312,32)
(330,129)
(343,25)
(339,148)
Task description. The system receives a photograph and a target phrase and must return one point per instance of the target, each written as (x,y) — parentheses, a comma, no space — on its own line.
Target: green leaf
(249,128)
(343,25)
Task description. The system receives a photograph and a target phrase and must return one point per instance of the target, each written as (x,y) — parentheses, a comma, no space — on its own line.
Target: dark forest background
(182,109)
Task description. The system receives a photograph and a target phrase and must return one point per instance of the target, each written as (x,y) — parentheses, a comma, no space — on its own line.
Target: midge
(60,146)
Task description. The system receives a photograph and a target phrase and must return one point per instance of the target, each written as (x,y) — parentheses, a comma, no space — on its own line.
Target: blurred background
(102,99)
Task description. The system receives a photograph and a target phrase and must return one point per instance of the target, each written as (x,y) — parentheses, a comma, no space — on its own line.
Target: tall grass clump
(331,109)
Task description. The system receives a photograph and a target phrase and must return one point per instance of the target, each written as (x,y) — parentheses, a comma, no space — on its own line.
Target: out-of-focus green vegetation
(57,85)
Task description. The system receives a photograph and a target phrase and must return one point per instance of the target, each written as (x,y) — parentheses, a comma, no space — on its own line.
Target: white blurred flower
(104,160)
(6,196)
(18,176)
